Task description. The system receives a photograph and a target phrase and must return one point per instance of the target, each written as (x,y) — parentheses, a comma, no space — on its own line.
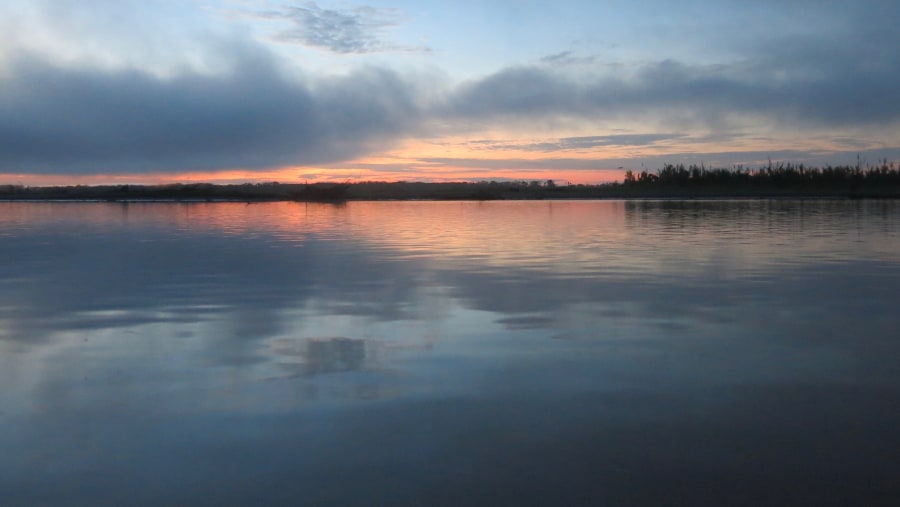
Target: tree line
(780,175)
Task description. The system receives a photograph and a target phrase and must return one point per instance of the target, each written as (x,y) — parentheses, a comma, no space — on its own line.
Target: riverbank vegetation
(672,181)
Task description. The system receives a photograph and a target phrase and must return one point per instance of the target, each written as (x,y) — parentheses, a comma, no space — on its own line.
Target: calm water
(416,353)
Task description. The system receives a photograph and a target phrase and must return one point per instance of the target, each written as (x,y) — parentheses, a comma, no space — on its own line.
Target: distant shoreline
(671,182)
(414,192)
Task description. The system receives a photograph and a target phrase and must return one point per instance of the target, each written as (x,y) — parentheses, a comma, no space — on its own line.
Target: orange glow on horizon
(500,157)
(314,175)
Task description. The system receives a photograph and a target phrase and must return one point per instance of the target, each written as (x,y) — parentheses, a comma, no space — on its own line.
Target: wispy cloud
(749,159)
(567,58)
(581,143)
(357,30)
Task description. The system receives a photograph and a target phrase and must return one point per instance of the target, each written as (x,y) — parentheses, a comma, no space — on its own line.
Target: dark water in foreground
(412,353)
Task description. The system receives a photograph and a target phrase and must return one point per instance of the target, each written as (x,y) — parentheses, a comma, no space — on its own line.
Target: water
(422,353)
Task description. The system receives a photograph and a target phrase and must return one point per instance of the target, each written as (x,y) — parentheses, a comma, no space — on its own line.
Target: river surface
(450,353)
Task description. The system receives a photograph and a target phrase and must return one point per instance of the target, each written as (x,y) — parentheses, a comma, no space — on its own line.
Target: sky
(128,91)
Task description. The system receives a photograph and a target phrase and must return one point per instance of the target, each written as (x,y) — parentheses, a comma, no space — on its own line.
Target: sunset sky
(126,91)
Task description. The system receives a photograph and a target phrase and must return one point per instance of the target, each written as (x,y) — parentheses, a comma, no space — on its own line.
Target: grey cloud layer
(834,94)
(835,64)
(55,119)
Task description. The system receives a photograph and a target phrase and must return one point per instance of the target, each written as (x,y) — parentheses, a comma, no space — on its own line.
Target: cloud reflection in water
(237,353)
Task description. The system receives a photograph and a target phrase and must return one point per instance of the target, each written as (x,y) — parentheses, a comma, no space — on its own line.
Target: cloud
(240,109)
(579,143)
(357,30)
(567,58)
(840,92)
(750,159)
(59,119)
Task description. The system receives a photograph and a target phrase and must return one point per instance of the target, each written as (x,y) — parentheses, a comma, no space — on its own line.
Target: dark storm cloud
(357,30)
(64,119)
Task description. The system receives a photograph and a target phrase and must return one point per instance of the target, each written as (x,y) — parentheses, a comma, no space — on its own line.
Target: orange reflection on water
(566,237)
(496,233)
